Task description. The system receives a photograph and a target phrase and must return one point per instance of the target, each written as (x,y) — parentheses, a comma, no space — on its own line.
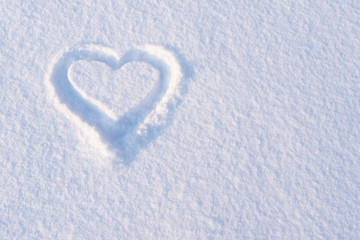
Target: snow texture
(179,119)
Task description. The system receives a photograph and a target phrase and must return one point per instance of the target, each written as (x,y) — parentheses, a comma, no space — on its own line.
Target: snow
(179,120)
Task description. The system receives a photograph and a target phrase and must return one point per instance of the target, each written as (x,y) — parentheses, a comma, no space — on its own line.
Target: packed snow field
(179,119)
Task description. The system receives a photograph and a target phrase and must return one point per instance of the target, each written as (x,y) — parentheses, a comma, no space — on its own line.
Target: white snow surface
(179,119)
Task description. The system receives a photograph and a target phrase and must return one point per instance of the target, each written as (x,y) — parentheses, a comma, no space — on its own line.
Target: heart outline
(133,129)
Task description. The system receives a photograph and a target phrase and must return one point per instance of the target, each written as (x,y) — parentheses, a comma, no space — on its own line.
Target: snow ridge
(134,129)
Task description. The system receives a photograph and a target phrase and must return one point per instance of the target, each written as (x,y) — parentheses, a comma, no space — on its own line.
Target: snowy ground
(179,119)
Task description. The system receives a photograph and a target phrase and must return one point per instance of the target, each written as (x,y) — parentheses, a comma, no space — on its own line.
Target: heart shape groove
(135,127)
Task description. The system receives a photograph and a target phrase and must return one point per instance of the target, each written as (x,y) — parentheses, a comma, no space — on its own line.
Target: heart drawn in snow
(136,127)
